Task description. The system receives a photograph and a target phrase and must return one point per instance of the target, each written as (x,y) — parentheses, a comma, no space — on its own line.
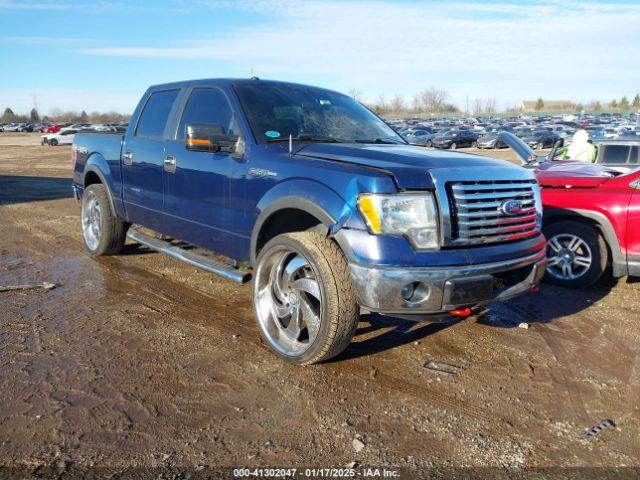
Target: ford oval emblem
(511,207)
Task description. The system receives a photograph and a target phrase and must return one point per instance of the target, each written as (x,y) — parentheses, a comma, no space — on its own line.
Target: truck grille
(478,216)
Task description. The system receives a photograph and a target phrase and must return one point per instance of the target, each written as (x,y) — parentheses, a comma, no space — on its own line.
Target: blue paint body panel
(215,200)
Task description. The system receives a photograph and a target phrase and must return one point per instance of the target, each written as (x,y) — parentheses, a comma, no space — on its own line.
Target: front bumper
(440,289)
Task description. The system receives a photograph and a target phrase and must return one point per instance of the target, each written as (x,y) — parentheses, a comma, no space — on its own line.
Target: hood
(409,165)
(572,174)
(556,174)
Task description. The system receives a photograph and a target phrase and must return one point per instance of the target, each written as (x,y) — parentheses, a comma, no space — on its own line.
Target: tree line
(432,100)
(596,106)
(436,101)
(57,115)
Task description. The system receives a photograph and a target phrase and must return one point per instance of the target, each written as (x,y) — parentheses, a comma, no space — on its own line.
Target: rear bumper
(440,289)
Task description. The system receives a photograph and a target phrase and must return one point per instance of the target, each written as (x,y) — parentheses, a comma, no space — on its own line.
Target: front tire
(53,142)
(429,144)
(453,146)
(303,299)
(103,232)
(577,254)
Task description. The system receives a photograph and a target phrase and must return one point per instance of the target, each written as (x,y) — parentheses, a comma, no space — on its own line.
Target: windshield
(276,111)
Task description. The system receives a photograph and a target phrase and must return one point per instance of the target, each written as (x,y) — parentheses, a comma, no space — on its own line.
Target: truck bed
(103,149)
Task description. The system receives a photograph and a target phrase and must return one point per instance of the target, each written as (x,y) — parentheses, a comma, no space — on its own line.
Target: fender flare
(291,201)
(618,260)
(94,168)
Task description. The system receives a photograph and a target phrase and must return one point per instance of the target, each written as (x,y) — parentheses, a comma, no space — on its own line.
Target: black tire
(339,312)
(53,142)
(474,144)
(597,248)
(453,146)
(112,230)
(429,144)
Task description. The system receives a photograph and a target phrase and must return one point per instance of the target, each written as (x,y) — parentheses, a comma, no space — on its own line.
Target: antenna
(290,145)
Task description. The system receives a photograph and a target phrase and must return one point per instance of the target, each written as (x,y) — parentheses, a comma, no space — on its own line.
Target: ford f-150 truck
(329,208)
(591,217)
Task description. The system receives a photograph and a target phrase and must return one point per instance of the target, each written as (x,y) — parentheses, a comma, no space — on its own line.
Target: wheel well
(91,178)
(285,221)
(590,222)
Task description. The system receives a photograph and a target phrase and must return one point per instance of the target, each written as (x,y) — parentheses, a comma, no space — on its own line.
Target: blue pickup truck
(316,198)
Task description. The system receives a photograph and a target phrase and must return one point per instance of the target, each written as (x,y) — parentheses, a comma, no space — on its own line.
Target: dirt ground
(142,362)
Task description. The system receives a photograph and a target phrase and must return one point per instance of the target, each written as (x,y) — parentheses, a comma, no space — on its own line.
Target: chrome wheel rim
(569,256)
(288,301)
(91,220)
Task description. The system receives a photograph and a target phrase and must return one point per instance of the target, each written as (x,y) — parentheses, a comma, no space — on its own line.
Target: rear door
(196,184)
(143,159)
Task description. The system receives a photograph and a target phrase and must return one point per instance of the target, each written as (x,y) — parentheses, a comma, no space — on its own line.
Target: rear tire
(429,144)
(303,299)
(577,254)
(53,142)
(454,146)
(103,232)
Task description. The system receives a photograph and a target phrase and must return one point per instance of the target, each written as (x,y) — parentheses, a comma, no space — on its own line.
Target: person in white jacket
(580,148)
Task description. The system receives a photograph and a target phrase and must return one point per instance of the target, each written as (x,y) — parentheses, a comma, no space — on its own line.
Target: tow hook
(461,312)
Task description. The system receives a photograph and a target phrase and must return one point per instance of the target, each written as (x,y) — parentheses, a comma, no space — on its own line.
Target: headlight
(413,216)
(537,195)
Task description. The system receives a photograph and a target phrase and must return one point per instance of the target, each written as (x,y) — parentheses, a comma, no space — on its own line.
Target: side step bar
(206,263)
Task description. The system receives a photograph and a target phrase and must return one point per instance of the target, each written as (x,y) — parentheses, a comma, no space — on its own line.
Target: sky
(101,55)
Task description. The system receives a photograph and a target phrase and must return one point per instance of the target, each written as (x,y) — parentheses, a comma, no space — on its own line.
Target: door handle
(127,157)
(170,163)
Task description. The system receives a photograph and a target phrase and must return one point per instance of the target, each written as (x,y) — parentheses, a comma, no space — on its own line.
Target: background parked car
(63,137)
(423,138)
(54,128)
(623,154)
(455,138)
(538,138)
(490,138)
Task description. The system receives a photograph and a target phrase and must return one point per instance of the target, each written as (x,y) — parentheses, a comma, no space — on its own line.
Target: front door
(143,160)
(633,229)
(196,183)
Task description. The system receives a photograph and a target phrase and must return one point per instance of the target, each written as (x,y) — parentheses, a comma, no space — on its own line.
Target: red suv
(591,218)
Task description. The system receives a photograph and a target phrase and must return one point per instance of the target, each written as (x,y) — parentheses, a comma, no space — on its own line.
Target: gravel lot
(142,361)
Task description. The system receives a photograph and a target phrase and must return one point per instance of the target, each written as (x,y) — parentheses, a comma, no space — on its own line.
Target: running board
(206,263)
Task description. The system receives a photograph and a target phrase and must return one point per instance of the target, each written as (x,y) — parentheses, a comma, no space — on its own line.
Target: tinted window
(155,114)
(207,105)
(616,154)
(635,155)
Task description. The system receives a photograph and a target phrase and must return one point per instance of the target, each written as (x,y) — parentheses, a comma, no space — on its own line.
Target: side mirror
(210,137)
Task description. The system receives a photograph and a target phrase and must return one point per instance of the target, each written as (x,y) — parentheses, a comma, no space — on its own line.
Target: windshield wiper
(306,138)
(377,140)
